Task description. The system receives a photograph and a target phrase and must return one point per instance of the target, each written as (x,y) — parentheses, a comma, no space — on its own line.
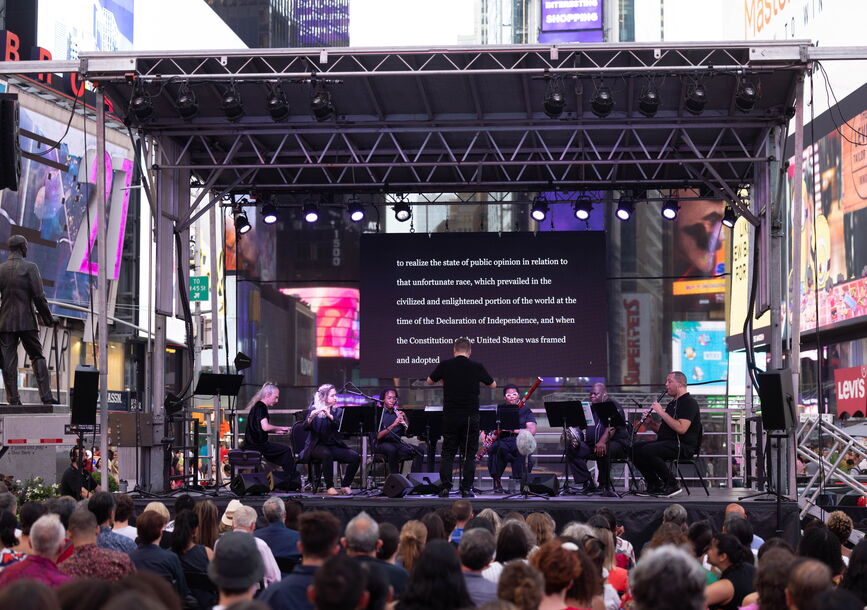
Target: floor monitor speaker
(250,484)
(396,486)
(546,484)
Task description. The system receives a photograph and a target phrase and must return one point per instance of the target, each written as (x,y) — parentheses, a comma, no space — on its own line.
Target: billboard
(698,348)
(565,21)
(336,312)
(850,384)
(69,27)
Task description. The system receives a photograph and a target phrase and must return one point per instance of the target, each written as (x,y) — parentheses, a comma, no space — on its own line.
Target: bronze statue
(21,290)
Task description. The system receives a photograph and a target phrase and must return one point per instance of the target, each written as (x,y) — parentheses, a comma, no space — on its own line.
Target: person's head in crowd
(699,536)
(819,543)
(493,516)
(379,590)
(463,512)
(87,593)
(476,549)
(727,551)
(185,532)
(237,567)
(841,525)
(209,522)
(30,513)
(448,519)
(244,519)
(362,535)
(159,508)
(740,528)
(433,523)
(319,531)
(607,538)
(771,578)
(478,522)
(27,594)
(497,604)
(274,510)
(8,524)
(855,579)
(389,536)
(837,599)
(462,347)
(47,537)
(734,509)
(149,527)
(542,526)
(596,551)
(774,543)
(578,531)
(227,520)
(669,533)
(598,522)
(102,504)
(513,516)
(83,528)
(521,584)
(436,580)
(559,567)
(667,578)
(124,510)
(294,508)
(807,579)
(413,537)
(184,502)
(676,514)
(341,584)
(589,584)
(609,516)
(8,503)
(514,541)
(147,590)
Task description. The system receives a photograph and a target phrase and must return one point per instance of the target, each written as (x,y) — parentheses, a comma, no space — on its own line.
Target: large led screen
(532,304)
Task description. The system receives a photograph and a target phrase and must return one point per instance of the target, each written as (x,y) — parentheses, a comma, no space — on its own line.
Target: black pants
(460,432)
(576,460)
(395,453)
(649,457)
(328,454)
(276,453)
(617,450)
(9,350)
(504,452)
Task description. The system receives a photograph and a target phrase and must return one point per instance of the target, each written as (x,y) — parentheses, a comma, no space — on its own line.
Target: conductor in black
(461,378)
(20,291)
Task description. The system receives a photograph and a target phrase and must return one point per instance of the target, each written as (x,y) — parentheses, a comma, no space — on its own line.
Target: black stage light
(746,97)
(554,104)
(321,105)
(188,105)
(242,225)
(670,208)
(141,106)
(242,361)
(648,102)
(356,211)
(539,210)
(402,211)
(269,213)
(602,102)
(583,207)
(625,208)
(231,104)
(696,98)
(310,211)
(277,105)
(729,217)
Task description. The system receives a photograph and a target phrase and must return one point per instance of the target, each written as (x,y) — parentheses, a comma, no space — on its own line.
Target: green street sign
(199,290)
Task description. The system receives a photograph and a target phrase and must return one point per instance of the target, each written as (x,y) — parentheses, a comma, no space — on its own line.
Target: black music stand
(359,421)
(429,424)
(607,414)
(218,385)
(566,414)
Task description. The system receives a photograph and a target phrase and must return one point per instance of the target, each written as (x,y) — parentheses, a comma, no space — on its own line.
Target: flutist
(324,444)
(393,425)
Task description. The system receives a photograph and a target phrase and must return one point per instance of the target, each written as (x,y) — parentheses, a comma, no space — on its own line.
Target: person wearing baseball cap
(236,569)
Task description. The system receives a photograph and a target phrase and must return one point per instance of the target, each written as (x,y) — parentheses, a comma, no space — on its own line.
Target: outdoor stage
(639,516)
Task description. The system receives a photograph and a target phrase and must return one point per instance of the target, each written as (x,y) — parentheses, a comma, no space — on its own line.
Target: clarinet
(646,415)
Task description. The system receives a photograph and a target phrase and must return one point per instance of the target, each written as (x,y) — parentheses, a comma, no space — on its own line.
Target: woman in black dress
(324,443)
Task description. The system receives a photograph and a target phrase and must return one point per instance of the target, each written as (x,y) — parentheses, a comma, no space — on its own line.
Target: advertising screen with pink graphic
(336,312)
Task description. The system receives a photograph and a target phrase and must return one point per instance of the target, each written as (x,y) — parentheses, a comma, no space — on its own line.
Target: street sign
(199,290)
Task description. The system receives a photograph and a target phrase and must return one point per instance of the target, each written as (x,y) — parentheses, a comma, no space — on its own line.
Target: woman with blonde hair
(493,516)
(413,537)
(542,525)
(323,442)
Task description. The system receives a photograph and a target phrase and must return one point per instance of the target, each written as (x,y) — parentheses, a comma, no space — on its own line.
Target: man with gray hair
(282,541)
(676,515)
(244,520)
(361,540)
(477,551)
(47,538)
(668,578)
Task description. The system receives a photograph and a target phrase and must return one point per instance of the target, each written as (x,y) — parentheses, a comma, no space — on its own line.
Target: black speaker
(10,150)
(546,484)
(778,400)
(425,483)
(85,395)
(284,481)
(250,484)
(396,486)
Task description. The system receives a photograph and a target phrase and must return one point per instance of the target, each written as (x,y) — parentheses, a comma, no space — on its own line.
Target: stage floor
(639,516)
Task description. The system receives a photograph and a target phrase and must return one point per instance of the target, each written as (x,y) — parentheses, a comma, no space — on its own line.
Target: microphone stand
(367,457)
(630,460)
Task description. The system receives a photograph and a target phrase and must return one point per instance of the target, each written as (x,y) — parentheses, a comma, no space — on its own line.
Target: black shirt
(525,416)
(388,418)
(164,563)
(73,480)
(741,576)
(621,433)
(255,435)
(325,430)
(461,378)
(684,407)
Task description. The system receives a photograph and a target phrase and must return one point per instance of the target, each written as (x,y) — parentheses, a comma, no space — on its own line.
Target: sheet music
(588,413)
(433,408)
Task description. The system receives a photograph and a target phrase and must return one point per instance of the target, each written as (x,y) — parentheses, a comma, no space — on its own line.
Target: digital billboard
(70,27)
(565,21)
(698,348)
(336,312)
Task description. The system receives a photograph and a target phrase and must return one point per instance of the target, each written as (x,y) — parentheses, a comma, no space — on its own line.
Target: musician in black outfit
(461,378)
(259,425)
(392,427)
(324,443)
(600,443)
(677,435)
(504,451)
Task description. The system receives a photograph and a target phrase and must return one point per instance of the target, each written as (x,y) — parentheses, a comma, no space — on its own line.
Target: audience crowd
(97,554)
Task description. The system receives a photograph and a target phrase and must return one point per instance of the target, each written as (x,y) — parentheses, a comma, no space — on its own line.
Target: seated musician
(600,443)
(393,425)
(259,425)
(677,435)
(324,443)
(504,450)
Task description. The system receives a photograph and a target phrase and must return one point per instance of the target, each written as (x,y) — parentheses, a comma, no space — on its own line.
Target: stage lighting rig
(582,208)
(277,104)
(603,101)
(555,101)
(310,211)
(625,208)
(242,225)
(402,211)
(231,103)
(141,105)
(747,96)
(670,209)
(729,217)
(269,213)
(539,210)
(356,211)
(648,101)
(320,104)
(187,104)
(696,99)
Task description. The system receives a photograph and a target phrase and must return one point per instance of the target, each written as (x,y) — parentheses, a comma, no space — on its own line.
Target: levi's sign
(851,388)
